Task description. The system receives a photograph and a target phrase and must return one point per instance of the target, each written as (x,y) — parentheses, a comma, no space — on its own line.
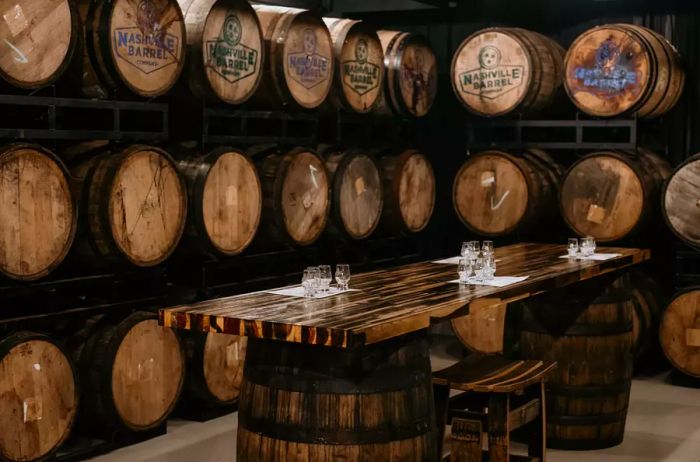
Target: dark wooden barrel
(310,403)
(137,45)
(482,331)
(38,397)
(648,300)
(681,201)
(131,371)
(409,192)
(39,213)
(214,367)
(39,38)
(623,69)
(496,193)
(359,65)
(497,71)
(610,195)
(358,197)
(411,74)
(296,195)
(299,58)
(225,200)
(224,49)
(680,332)
(589,333)
(134,204)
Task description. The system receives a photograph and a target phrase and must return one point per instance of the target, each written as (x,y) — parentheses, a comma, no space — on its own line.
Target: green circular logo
(232,30)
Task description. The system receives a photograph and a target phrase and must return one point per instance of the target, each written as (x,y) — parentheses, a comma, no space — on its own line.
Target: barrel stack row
(611,70)
(136,202)
(228,51)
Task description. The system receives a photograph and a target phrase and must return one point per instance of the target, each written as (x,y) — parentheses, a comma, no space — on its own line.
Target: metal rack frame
(239,126)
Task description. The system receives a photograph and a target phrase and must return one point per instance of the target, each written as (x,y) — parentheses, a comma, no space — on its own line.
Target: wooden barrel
(409,192)
(610,195)
(680,332)
(359,65)
(131,370)
(299,58)
(214,367)
(411,75)
(225,200)
(38,397)
(482,331)
(296,196)
(648,306)
(497,71)
(39,214)
(224,49)
(301,402)
(358,197)
(681,201)
(139,45)
(591,339)
(134,204)
(622,69)
(39,38)
(496,193)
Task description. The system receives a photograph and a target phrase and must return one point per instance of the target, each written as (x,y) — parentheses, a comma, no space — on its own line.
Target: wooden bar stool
(501,395)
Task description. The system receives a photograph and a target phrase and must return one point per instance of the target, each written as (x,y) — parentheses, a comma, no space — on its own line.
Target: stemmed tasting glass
(572,247)
(325,277)
(308,283)
(487,248)
(342,276)
(587,246)
(316,278)
(465,250)
(463,269)
(489,266)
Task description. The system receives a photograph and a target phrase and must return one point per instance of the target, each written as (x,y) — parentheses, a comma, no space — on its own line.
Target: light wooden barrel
(411,74)
(359,65)
(681,201)
(299,58)
(680,332)
(38,397)
(224,49)
(496,193)
(296,196)
(649,303)
(309,403)
(409,192)
(39,214)
(214,367)
(132,371)
(610,195)
(225,200)
(497,71)
(358,197)
(139,45)
(591,340)
(622,69)
(39,38)
(134,204)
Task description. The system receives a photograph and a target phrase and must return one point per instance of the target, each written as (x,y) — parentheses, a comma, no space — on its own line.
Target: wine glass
(308,283)
(325,277)
(587,246)
(342,276)
(463,270)
(478,268)
(572,247)
(465,249)
(315,278)
(489,266)
(487,247)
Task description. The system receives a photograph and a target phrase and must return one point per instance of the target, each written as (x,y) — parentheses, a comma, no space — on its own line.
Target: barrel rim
(664,192)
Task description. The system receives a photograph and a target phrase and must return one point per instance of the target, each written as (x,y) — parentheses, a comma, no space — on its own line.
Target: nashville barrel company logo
(148,46)
(608,76)
(227,56)
(307,67)
(359,75)
(492,79)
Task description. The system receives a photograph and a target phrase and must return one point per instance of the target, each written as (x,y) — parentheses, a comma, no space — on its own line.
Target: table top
(394,301)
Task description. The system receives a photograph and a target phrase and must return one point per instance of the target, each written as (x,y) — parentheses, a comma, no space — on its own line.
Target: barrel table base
(301,402)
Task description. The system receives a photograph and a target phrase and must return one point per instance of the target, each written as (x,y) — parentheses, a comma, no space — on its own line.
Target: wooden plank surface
(392,302)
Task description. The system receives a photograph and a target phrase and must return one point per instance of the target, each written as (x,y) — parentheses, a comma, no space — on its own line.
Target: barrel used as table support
(306,402)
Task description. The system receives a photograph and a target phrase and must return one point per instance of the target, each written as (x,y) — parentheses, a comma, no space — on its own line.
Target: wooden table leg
(499,429)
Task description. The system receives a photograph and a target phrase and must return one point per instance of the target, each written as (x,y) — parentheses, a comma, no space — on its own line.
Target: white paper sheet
(498,281)
(451,261)
(298,291)
(596,256)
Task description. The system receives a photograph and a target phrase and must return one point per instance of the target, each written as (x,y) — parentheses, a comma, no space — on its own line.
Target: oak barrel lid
(147,44)
(147,205)
(357,188)
(607,71)
(680,331)
(416,190)
(491,72)
(602,196)
(38,212)
(39,37)
(681,201)
(491,193)
(223,365)
(38,397)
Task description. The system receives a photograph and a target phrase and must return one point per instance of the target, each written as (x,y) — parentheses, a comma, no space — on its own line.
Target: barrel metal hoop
(581,330)
(586,391)
(584,420)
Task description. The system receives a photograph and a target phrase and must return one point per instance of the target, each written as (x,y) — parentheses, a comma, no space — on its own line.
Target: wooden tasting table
(369,396)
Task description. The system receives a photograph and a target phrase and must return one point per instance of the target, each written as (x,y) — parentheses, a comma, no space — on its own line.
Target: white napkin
(498,281)
(451,261)
(298,291)
(595,256)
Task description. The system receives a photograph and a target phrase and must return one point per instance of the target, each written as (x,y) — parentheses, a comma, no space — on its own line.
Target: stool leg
(441,395)
(537,446)
(465,441)
(499,428)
